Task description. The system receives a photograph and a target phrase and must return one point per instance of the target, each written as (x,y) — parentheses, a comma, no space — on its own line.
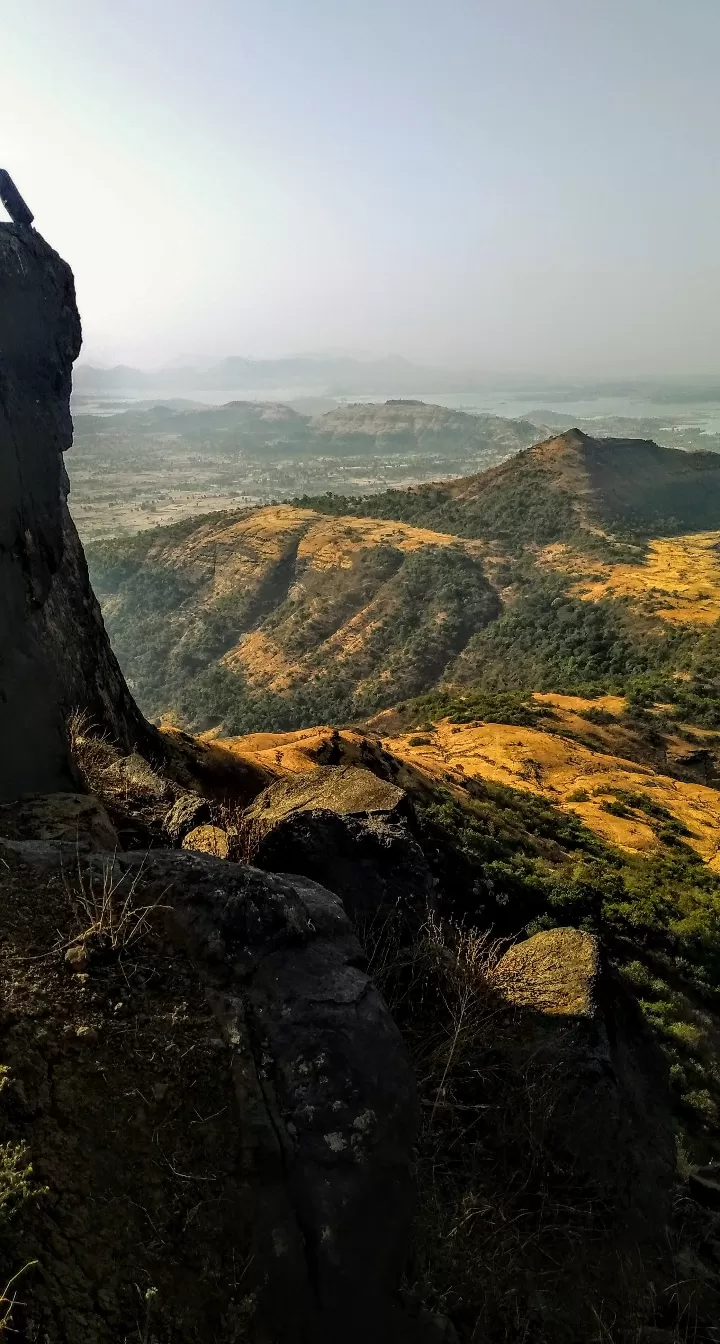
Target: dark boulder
(375,866)
(352,832)
(326,1093)
(610,1096)
(187,812)
(704,1186)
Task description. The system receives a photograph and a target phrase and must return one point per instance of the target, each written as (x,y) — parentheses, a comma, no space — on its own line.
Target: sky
(518,186)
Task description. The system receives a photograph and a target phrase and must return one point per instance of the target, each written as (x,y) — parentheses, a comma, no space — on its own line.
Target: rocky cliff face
(54,654)
(310,1189)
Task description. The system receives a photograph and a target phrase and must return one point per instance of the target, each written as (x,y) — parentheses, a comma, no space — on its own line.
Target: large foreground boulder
(54,653)
(326,1099)
(609,1089)
(352,832)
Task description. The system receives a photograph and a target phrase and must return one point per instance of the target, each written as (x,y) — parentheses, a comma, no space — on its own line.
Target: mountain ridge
(634,485)
(336,608)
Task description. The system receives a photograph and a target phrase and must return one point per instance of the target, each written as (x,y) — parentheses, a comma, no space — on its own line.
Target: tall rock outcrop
(54,653)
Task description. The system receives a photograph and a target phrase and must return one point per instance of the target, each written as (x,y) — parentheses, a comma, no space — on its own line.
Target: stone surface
(704,1186)
(349,790)
(187,812)
(140,778)
(208,840)
(374,864)
(326,1094)
(87,1035)
(346,828)
(608,1085)
(556,972)
(54,654)
(77,958)
(76,819)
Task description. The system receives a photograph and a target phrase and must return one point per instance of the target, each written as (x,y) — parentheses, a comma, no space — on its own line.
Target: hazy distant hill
(340,375)
(363,429)
(256,422)
(293,614)
(415,426)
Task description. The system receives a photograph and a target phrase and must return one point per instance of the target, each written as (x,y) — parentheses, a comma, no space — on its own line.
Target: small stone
(208,840)
(160,1091)
(76,958)
(87,1035)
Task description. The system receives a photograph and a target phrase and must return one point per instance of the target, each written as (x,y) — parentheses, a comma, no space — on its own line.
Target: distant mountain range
(366,428)
(336,376)
(350,375)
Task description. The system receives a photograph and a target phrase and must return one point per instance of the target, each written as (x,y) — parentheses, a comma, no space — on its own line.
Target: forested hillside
(561,570)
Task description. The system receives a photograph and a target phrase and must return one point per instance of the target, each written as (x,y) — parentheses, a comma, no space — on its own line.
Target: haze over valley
(147,454)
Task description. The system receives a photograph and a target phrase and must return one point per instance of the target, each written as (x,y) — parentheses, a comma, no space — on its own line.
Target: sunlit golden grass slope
(560,769)
(324,545)
(566,772)
(679,581)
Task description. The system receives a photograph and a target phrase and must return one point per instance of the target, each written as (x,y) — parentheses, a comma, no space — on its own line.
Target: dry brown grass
(332,542)
(567,772)
(9,1298)
(244,831)
(108,907)
(92,751)
(571,775)
(261,661)
(679,581)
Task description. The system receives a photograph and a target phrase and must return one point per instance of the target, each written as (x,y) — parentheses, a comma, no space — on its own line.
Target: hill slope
(294,614)
(283,599)
(416,426)
(571,484)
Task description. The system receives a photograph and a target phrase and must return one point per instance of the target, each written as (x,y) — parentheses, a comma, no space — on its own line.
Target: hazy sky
(513,184)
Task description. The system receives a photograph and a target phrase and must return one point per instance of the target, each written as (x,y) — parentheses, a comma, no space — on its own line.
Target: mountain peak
(571,440)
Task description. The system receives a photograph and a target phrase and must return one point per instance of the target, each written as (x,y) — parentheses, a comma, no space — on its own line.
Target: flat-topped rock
(349,790)
(574,1021)
(343,826)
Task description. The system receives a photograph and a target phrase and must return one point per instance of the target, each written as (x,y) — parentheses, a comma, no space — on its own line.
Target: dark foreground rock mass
(219,1105)
(54,654)
(219,1108)
(325,1089)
